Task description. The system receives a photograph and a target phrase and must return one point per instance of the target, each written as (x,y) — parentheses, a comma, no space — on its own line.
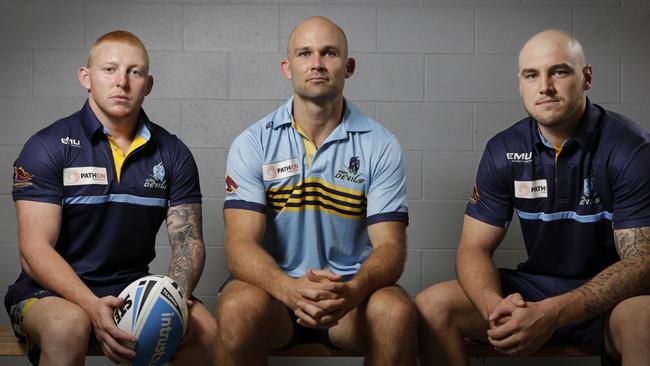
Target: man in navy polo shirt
(578,178)
(91,191)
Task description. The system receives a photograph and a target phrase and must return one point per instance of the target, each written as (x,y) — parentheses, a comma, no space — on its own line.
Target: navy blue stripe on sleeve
(388,216)
(245,205)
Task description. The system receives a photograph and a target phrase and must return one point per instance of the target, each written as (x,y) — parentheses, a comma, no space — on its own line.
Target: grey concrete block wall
(441,74)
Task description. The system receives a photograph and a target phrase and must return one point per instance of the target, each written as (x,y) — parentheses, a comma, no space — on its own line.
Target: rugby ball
(155,312)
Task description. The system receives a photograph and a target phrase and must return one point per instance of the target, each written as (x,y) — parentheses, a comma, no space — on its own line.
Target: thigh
(53,314)
(248,306)
(352,331)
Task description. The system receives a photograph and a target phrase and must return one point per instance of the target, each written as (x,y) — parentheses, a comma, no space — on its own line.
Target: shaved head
(323,25)
(553,40)
(553,79)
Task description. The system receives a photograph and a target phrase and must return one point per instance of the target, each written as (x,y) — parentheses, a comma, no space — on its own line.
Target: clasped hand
(519,327)
(322,299)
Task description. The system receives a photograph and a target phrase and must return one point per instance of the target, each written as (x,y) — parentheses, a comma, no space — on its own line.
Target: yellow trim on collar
(119,157)
(310,147)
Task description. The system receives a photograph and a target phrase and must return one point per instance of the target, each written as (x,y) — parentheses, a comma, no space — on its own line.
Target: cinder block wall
(441,74)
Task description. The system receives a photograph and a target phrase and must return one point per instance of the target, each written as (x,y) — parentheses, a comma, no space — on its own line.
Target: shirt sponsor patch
(282,169)
(84,176)
(531,188)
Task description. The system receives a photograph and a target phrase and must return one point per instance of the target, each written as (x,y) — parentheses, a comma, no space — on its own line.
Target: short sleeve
(37,174)
(490,201)
(387,191)
(631,189)
(243,182)
(184,186)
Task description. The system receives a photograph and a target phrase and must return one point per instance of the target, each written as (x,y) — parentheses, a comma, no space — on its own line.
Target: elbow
(25,265)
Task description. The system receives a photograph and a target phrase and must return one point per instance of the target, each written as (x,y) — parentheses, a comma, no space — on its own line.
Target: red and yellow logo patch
(231,186)
(473,199)
(21,177)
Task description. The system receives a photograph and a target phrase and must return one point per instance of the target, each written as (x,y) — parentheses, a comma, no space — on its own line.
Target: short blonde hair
(117,36)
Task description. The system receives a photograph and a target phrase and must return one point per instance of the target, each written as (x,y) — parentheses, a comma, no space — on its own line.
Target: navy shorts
(535,287)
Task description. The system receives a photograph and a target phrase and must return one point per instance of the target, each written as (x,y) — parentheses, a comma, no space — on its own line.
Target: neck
(317,120)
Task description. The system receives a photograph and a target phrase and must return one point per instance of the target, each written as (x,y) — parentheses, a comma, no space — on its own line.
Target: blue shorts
(535,287)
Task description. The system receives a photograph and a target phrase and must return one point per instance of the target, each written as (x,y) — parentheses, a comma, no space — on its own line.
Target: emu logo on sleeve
(84,176)
(280,170)
(531,188)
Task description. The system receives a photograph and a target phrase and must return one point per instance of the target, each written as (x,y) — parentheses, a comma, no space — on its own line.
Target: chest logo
(157,178)
(85,175)
(520,157)
(280,170)
(589,196)
(351,172)
(531,189)
(70,141)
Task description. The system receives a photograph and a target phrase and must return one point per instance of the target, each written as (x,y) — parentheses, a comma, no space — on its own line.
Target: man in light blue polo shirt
(315,217)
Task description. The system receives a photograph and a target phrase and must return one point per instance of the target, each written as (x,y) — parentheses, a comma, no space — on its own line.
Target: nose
(547,86)
(122,79)
(317,62)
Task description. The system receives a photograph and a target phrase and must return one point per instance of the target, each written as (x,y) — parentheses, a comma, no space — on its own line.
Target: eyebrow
(309,48)
(552,68)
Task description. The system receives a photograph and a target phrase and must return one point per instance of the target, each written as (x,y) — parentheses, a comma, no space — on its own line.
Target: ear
(84,77)
(285,67)
(350,65)
(149,84)
(587,77)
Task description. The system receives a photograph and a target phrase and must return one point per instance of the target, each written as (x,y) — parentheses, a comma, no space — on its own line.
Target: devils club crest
(351,172)
(157,178)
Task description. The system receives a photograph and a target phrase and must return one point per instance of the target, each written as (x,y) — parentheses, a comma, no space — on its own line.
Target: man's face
(317,62)
(117,80)
(552,82)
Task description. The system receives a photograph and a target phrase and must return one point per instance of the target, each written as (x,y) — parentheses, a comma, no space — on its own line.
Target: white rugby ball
(155,312)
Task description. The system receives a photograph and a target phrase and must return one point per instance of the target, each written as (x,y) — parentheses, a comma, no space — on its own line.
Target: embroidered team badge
(231,186)
(589,196)
(21,177)
(157,178)
(351,172)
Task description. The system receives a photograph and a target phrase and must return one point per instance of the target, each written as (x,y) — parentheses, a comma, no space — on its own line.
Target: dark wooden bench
(9,346)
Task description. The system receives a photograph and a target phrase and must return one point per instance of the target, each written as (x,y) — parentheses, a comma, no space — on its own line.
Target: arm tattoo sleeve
(185,231)
(626,278)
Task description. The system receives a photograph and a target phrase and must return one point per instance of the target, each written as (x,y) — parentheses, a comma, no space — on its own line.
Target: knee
(67,330)
(393,310)
(631,318)
(240,316)
(435,306)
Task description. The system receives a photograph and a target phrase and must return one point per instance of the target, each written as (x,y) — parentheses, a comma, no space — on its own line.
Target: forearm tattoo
(628,277)
(185,229)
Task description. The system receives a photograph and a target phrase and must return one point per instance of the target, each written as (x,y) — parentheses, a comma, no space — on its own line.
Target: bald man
(577,175)
(315,216)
